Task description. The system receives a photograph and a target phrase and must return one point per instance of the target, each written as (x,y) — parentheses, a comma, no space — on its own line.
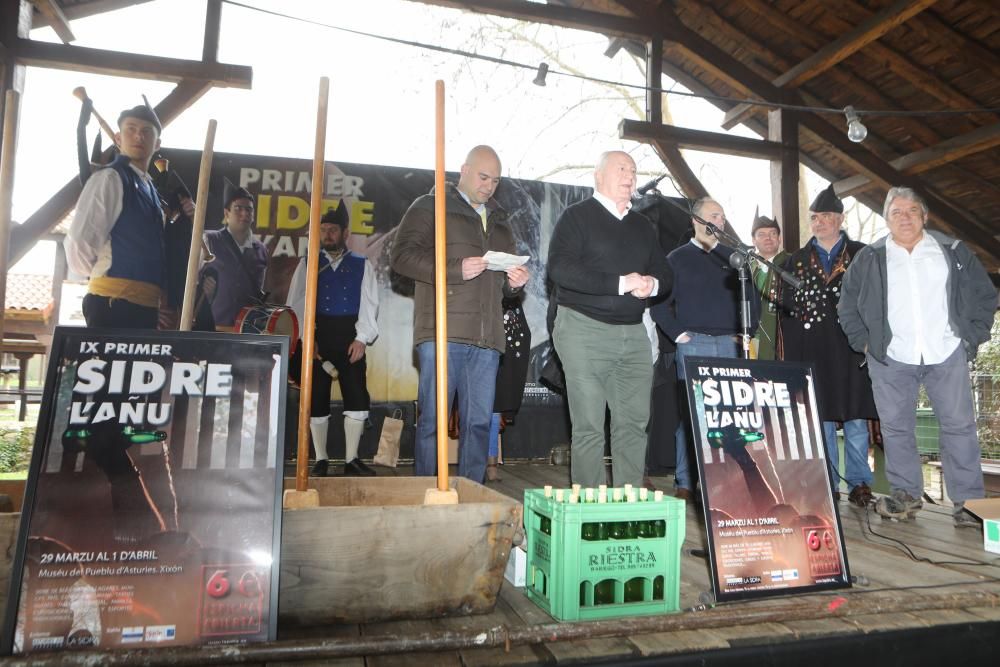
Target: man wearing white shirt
(346,312)
(920,304)
(116,238)
(605,260)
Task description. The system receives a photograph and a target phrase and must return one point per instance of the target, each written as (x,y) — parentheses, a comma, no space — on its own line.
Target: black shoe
(321,468)
(356,468)
(861,495)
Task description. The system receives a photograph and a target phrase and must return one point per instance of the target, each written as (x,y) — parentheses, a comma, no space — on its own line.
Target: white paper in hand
(501,261)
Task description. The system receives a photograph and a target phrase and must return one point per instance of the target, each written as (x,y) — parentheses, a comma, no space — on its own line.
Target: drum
(269,319)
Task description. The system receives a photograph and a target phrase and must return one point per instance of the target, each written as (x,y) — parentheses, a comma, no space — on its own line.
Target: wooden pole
(442,495)
(312,274)
(440,289)
(81,94)
(198,228)
(12,105)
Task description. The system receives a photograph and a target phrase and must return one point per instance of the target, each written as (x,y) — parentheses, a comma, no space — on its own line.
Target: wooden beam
(981,139)
(680,170)
(115,63)
(975,54)
(735,73)
(700,140)
(783,127)
(566,17)
(48,215)
(943,212)
(79,10)
(213,24)
(183,95)
(56,19)
(15,22)
(877,53)
(852,41)
(867,95)
(654,80)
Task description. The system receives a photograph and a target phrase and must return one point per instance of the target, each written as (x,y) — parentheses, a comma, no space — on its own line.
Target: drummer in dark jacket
(476,224)
(346,324)
(811,332)
(240,259)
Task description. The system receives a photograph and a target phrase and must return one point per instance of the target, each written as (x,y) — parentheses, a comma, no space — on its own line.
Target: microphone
(651,185)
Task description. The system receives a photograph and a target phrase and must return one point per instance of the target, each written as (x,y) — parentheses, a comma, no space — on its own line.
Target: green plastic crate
(576,579)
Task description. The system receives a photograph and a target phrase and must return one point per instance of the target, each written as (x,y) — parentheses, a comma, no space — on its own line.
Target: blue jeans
(472,374)
(495,435)
(856,470)
(700,345)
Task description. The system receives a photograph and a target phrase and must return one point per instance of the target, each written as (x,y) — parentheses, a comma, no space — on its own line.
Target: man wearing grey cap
(812,333)
(116,238)
(919,304)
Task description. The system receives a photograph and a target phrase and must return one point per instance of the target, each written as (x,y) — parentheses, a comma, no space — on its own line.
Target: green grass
(22,474)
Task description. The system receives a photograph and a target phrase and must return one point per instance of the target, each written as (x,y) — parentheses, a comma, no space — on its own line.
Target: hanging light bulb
(543,69)
(856,131)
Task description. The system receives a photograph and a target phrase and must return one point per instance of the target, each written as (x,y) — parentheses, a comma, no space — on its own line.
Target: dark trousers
(103,312)
(333,336)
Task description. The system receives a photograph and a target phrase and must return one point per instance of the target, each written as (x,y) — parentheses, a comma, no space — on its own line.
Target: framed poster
(773,527)
(152,512)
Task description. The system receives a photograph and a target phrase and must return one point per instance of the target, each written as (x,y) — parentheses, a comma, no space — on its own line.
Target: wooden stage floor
(953,588)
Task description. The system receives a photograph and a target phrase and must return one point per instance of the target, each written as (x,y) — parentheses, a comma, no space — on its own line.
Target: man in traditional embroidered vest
(766,236)
(346,312)
(812,332)
(116,238)
(240,259)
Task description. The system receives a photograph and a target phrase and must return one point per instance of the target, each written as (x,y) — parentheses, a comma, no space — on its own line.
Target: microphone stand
(739,260)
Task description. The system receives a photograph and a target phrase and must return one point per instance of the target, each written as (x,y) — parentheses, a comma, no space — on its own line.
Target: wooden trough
(372,551)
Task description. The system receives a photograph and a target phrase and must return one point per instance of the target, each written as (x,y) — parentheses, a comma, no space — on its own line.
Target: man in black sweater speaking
(604,261)
(703,314)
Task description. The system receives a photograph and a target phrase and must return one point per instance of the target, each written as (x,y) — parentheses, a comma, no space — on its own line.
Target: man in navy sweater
(604,261)
(703,314)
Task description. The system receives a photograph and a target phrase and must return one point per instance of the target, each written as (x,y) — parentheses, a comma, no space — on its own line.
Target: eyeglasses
(239,208)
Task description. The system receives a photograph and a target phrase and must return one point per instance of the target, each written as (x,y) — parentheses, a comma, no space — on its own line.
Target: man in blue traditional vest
(346,312)
(116,238)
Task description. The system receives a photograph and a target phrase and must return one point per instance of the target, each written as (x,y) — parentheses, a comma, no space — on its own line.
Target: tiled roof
(28,291)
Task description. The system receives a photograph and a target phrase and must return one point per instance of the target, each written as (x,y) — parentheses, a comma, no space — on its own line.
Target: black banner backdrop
(377,197)
(152,514)
(772,525)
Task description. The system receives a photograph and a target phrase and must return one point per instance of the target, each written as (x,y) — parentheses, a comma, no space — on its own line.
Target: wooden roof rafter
(875,52)
(735,72)
(53,13)
(193,79)
(696,55)
(949,150)
(848,43)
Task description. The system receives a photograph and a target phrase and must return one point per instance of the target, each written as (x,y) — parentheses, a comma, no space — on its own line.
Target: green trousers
(606,366)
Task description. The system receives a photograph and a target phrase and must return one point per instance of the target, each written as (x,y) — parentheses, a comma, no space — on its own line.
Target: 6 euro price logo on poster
(232,600)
